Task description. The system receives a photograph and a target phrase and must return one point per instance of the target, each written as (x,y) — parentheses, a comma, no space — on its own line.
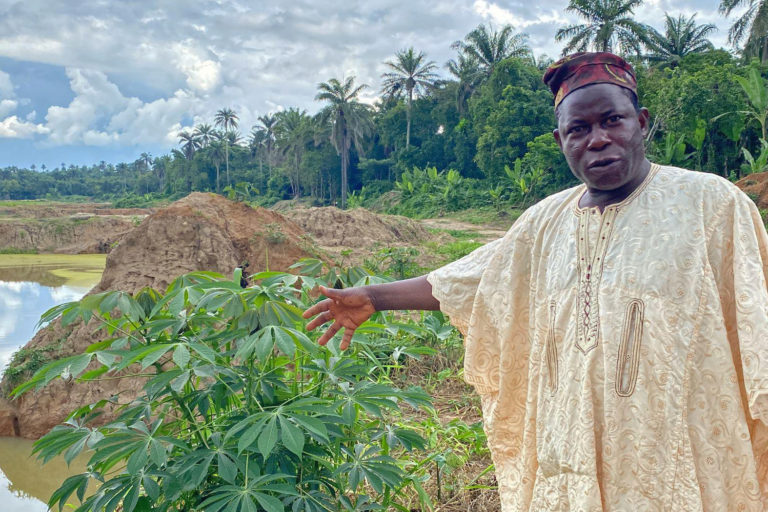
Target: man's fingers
(321,306)
(331,293)
(347,338)
(330,333)
(320,320)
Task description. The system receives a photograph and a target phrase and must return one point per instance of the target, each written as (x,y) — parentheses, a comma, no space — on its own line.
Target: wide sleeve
(486,295)
(738,251)
(455,284)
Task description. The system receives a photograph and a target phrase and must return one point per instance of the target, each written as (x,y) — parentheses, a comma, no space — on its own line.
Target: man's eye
(576,129)
(614,119)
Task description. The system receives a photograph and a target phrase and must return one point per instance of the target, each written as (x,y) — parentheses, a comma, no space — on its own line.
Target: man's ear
(556,133)
(643,118)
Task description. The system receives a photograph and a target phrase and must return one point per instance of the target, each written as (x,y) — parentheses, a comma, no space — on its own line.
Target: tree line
(487,126)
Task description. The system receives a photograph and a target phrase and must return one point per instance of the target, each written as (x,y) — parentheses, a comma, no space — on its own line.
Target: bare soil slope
(358,232)
(203,232)
(65,228)
(199,232)
(756,186)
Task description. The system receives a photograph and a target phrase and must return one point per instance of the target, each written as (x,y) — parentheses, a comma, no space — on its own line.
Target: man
(618,333)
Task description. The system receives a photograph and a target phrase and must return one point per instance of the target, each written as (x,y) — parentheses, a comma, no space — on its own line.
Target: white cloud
(96,101)
(101,115)
(13,128)
(7,106)
(143,123)
(497,13)
(202,74)
(62,294)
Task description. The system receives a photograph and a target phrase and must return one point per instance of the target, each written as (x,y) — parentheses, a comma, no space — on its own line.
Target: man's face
(602,136)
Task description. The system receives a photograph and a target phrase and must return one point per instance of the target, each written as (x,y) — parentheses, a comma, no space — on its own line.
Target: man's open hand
(347,308)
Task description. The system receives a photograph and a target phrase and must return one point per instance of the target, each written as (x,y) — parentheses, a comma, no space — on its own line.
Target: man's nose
(598,138)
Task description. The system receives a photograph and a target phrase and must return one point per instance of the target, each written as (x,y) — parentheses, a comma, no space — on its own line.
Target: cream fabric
(622,357)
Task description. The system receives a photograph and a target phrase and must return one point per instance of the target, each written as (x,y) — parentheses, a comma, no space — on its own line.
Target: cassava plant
(240,411)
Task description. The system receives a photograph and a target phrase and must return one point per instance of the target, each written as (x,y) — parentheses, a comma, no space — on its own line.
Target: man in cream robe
(649,396)
(618,333)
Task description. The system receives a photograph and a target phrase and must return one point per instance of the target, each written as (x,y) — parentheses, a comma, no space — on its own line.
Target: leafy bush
(429,192)
(241,410)
(25,362)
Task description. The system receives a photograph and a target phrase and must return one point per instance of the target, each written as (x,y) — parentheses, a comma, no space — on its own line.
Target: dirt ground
(756,186)
(484,233)
(351,236)
(65,228)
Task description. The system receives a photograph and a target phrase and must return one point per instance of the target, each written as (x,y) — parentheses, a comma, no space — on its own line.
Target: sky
(106,80)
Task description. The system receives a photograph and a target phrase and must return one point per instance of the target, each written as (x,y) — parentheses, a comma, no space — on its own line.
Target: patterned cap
(580,69)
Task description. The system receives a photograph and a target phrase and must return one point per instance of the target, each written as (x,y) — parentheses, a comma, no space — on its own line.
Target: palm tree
(410,74)
(350,121)
(227,119)
(681,37)
(487,47)
(190,143)
(293,133)
(217,153)
(467,71)
(144,162)
(753,25)
(610,27)
(205,133)
(268,126)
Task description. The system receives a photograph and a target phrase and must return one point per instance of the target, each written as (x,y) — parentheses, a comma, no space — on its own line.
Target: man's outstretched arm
(351,307)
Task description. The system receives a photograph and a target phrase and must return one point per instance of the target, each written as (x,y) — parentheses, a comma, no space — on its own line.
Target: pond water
(29,286)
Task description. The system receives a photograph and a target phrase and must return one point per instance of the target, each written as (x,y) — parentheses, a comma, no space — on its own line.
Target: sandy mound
(203,232)
(756,186)
(358,230)
(199,232)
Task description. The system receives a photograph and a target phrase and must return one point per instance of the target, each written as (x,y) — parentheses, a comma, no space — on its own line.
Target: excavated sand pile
(202,232)
(199,232)
(756,186)
(359,230)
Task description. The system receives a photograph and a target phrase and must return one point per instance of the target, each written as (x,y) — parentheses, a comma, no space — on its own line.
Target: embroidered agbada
(622,358)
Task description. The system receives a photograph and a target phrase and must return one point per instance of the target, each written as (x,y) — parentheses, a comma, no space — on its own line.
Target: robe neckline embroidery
(590,264)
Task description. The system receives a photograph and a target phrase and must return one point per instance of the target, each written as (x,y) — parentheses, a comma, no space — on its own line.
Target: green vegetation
(14,250)
(481,139)
(25,362)
(242,410)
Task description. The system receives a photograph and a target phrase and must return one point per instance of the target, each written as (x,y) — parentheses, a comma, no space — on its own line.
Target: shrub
(241,410)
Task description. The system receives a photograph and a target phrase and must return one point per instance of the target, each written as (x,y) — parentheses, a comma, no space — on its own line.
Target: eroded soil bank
(65,228)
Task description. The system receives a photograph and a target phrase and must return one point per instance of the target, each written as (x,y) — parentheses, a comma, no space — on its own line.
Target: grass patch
(451,251)
(458,234)
(488,216)
(14,250)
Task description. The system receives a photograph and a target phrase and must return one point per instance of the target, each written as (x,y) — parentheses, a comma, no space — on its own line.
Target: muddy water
(25,483)
(30,285)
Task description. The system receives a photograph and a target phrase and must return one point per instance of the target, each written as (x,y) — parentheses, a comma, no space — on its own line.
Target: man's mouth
(605,162)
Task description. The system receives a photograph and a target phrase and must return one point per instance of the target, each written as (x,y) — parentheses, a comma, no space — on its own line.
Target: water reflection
(25,483)
(21,305)
(30,285)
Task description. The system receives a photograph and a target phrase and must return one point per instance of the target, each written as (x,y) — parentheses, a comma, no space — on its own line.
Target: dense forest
(480,137)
